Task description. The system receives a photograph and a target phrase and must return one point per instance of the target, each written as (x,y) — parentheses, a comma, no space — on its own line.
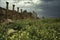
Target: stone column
(13,13)
(21,10)
(13,7)
(7,3)
(17,9)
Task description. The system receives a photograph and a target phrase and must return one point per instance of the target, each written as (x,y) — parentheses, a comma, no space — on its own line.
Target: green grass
(31,29)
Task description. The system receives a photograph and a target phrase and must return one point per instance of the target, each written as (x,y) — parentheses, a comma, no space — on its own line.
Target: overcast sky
(48,8)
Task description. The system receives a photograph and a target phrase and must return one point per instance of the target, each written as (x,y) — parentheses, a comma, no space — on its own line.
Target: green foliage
(30,29)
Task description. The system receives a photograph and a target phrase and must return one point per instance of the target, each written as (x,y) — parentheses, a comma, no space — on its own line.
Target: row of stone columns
(13,12)
(7,6)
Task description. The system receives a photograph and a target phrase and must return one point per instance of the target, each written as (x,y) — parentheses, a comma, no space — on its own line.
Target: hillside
(12,14)
(28,29)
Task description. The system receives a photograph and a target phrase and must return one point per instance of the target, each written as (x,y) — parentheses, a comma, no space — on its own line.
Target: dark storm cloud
(51,8)
(47,0)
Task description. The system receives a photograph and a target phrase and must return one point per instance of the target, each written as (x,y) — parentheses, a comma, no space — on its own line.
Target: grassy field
(31,29)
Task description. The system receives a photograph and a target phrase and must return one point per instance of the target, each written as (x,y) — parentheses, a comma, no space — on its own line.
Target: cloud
(28,2)
(50,8)
(3,3)
(42,7)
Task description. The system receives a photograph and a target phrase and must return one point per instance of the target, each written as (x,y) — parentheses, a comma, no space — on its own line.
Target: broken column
(17,9)
(13,7)
(18,16)
(13,11)
(7,3)
(21,10)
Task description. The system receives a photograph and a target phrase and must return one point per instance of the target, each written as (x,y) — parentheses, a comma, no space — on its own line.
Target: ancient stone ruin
(12,14)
